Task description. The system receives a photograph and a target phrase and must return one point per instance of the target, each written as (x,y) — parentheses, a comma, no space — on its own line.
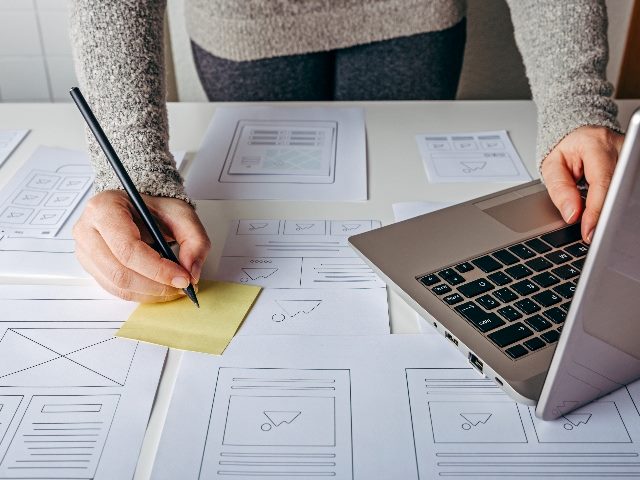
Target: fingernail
(180,282)
(590,236)
(196,270)
(568,213)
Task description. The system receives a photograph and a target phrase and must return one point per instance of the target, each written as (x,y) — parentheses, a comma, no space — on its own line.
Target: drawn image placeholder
(476,422)
(280,421)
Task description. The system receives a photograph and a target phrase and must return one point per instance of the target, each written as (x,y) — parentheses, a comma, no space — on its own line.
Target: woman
(255,50)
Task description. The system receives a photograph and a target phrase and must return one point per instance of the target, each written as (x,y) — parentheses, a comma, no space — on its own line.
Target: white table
(394,167)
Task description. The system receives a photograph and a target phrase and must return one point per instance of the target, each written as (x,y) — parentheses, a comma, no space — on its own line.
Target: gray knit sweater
(118,47)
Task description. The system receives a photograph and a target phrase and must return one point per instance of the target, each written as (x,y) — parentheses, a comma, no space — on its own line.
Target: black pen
(160,245)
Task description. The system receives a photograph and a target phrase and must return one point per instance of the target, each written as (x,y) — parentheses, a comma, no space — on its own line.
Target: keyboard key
(566,272)
(505,295)
(527,306)
(577,250)
(506,257)
(509,313)
(518,271)
(564,236)
(499,278)
(556,315)
(566,290)
(565,306)
(487,302)
(534,344)
(453,298)
(545,279)
(579,263)
(538,323)
(511,334)
(477,287)
(551,336)
(429,280)
(558,257)
(464,267)
(525,287)
(538,264)
(441,289)
(483,321)
(452,277)
(547,298)
(516,351)
(522,251)
(487,264)
(537,245)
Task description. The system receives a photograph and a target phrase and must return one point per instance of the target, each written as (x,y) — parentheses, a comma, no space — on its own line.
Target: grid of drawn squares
(44,190)
(280,421)
(64,357)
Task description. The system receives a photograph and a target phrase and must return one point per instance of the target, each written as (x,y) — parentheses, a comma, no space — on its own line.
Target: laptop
(553,321)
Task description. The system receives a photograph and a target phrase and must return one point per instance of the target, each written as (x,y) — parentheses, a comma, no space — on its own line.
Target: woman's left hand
(589,152)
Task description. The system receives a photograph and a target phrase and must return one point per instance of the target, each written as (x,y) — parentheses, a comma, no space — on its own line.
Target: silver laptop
(553,321)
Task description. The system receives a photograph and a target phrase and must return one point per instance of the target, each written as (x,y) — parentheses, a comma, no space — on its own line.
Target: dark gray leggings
(419,67)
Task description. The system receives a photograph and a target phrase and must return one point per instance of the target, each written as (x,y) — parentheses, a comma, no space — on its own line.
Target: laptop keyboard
(517,296)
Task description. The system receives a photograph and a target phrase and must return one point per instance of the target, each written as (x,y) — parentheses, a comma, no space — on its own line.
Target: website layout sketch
(465,426)
(296,254)
(279,423)
(74,400)
(471,157)
(281,151)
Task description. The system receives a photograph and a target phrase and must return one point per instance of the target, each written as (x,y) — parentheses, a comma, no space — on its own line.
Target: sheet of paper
(180,324)
(296,254)
(74,400)
(9,140)
(385,406)
(314,282)
(282,153)
(38,259)
(54,292)
(307,311)
(41,197)
(471,157)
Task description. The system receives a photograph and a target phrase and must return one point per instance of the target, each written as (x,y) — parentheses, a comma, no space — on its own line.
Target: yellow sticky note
(180,324)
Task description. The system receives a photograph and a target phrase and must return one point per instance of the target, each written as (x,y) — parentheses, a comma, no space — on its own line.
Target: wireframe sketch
(464,427)
(40,204)
(305,311)
(60,437)
(281,151)
(64,357)
(8,407)
(280,423)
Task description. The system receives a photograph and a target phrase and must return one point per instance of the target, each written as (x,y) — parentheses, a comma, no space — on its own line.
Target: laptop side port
(451,338)
(475,361)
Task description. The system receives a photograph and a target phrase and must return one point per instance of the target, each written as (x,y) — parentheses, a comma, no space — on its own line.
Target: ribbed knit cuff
(558,120)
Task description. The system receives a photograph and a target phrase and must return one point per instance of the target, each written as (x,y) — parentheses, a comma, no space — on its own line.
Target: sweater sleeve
(119,56)
(565,51)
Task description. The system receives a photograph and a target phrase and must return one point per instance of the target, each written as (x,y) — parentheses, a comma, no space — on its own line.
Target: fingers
(598,172)
(96,257)
(190,234)
(562,188)
(123,239)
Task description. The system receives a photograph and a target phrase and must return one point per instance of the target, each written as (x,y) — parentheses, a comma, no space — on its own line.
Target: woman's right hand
(113,245)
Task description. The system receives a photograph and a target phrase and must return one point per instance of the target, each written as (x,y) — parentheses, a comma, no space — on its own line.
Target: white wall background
(36,63)
(35,52)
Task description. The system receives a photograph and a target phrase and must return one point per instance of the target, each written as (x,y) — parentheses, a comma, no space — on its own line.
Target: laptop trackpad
(524,214)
